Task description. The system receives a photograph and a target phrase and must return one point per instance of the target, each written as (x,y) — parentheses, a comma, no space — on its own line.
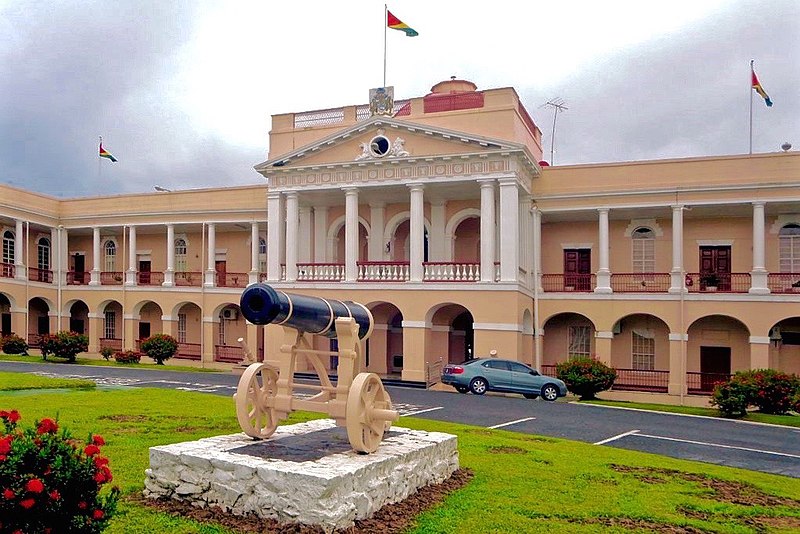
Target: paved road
(751,446)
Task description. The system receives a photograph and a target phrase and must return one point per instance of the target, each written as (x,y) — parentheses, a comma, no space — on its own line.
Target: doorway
(715,366)
(221,267)
(715,267)
(577,269)
(144,330)
(144,272)
(76,325)
(78,268)
(5,324)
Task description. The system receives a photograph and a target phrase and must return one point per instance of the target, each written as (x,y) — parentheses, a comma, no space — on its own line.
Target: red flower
(27,503)
(91,450)
(34,485)
(11,417)
(55,495)
(97,514)
(8,494)
(82,505)
(100,461)
(98,440)
(47,426)
(5,445)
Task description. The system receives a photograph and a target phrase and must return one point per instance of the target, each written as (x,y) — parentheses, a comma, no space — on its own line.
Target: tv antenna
(558,106)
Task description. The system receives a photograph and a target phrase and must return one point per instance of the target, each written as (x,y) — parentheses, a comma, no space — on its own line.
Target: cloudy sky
(182,90)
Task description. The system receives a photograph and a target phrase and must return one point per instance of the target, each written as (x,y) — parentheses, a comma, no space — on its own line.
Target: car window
(519,368)
(496,364)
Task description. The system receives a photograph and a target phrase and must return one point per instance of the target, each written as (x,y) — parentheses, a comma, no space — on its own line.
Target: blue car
(493,374)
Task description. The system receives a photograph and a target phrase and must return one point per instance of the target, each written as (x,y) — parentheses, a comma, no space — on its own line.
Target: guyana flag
(397,24)
(105,153)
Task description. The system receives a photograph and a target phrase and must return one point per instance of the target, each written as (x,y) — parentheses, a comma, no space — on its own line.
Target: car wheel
(478,386)
(549,392)
(530,395)
(462,389)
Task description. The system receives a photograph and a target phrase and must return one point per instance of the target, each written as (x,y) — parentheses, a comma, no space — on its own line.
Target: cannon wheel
(258,384)
(364,430)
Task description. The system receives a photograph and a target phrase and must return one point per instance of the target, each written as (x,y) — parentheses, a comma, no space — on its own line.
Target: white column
(292,221)
(169,274)
(95,275)
(436,238)
(487,230)
(254,243)
(351,234)
(320,233)
(304,254)
(603,272)
(537,249)
(509,230)
(678,283)
(417,231)
(377,214)
(19,252)
(130,276)
(759,275)
(273,237)
(55,255)
(212,256)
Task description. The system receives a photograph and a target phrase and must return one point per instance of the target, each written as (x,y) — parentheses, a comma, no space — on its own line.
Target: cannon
(265,394)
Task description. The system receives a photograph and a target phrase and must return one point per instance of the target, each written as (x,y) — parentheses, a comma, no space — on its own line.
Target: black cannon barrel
(262,304)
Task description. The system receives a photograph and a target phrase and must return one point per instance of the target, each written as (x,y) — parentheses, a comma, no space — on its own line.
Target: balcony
(40,275)
(6,270)
(319,272)
(383,271)
(188,351)
(581,283)
(783,283)
(436,271)
(231,279)
(112,278)
(148,278)
(188,279)
(718,282)
(640,282)
(78,278)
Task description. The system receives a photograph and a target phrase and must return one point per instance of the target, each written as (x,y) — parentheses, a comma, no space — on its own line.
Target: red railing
(228,353)
(327,272)
(568,282)
(149,278)
(184,278)
(783,282)
(450,102)
(548,369)
(640,282)
(641,380)
(718,282)
(703,383)
(440,271)
(78,278)
(111,342)
(188,351)
(7,270)
(403,108)
(231,279)
(40,275)
(33,340)
(112,278)
(383,271)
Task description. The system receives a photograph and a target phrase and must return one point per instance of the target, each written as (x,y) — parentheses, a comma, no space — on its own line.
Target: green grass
(784,420)
(104,363)
(20,381)
(522,483)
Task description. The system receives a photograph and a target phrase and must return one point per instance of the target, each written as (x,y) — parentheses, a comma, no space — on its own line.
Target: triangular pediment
(386,139)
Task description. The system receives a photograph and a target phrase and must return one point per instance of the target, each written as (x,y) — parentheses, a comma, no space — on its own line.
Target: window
(519,368)
(789,241)
(180,255)
(262,255)
(110,249)
(221,331)
(643,240)
(8,247)
(43,251)
(181,328)
(643,350)
(496,364)
(110,326)
(579,342)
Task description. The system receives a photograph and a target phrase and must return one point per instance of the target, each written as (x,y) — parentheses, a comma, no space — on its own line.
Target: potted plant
(710,281)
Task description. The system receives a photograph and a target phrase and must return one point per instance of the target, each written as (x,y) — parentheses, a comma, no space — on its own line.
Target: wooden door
(144,330)
(5,324)
(144,272)
(715,264)
(715,366)
(221,267)
(577,269)
(79,266)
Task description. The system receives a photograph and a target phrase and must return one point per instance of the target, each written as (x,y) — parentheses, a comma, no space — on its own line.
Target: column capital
(759,203)
(273,194)
(304,209)
(677,207)
(415,187)
(603,210)
(507,181)
(291,194)
(487,182)
(350,190)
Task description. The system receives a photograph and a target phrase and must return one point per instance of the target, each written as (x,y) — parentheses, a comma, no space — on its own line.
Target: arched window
(262,255)
(789,239)
(43,253)
(8,247)
(110,249)
(180,255)
(643,255)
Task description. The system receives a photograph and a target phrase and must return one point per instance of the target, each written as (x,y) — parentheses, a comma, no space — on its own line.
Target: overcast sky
(182,91)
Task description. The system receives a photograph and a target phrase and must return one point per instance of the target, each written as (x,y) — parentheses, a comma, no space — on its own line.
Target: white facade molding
(644,223)
(759,340)
(678,337)
(588,246)
(714,242)
(415,324)
(783,220)
(603,335)
(500,327)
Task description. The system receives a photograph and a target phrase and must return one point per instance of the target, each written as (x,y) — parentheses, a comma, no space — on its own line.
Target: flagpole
(751,107)
(99,163)
(385,24)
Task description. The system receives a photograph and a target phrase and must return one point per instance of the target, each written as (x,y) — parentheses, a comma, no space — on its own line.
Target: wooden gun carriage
(265,394)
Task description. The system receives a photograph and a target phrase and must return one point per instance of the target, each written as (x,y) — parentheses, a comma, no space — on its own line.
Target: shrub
(770,391)
(106,352)
(128,356)
(51,482)
(63,345)
(585,376)
(160,347)
(13,344)
(731,398)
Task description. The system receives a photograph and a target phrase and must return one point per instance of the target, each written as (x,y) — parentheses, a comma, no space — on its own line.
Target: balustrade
(320,272)
(383,271)
(188,351)
(40,275)
(437,271)
(228,353)
(640,282)
(78,278)
(568,282)
(784,282)
(7,270)
(186,278)
(718,282)
(112,278)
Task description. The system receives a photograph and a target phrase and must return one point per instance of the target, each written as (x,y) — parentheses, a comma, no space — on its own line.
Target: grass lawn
(144,364)
(785,420)
(522,483)
(20,381)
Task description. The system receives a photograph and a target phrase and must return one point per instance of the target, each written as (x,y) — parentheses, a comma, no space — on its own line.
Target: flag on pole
(105,153)
(758,89)
(397,24)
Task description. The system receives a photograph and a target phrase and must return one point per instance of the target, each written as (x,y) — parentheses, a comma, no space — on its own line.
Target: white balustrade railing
(322,272)
(383,271)
(435,271)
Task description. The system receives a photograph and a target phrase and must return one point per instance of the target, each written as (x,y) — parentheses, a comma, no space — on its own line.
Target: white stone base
(305,473)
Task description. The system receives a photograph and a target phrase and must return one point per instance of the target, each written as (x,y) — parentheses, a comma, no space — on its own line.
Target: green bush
(106,352)
(128,356)
(771,391)
(63,344)
(13,344)
(731,398)
(160,347)
(586,377)
(51,482)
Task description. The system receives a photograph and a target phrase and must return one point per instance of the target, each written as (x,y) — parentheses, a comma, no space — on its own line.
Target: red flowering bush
(51,482)
(768,390)
(160,347)
(128,356)
(63,344)
(586,377)
(13,344)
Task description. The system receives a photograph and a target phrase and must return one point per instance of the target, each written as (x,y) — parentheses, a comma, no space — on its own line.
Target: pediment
(382,139)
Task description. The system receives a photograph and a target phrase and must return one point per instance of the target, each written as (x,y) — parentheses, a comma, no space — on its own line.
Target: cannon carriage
(265,394)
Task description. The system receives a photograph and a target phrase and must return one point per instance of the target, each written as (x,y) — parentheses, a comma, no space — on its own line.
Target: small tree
(63,345)
(106,353)
(586,377)
(13,344)
(769,390)
(731,398)
(160,347)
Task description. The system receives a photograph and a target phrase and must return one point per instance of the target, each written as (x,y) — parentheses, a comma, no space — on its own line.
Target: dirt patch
(506,450)
(126,418)
(391,519)
(186,429)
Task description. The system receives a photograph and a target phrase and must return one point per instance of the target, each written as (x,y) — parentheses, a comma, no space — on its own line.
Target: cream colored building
(441,220)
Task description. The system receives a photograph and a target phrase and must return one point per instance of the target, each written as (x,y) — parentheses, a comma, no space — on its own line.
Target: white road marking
(618,436)
(423,411)
(721,446)
(501,425)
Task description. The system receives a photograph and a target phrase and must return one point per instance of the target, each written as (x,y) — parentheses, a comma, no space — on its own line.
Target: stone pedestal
(305,473)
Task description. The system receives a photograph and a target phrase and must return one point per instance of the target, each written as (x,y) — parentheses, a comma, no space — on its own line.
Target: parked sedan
(493,374)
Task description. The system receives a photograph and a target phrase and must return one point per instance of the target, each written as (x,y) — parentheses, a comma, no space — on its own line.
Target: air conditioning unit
(230,314)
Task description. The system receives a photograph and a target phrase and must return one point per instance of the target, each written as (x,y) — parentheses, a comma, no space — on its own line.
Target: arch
(566,335)
(6,305)
(137,308)
(527,322)
(718,345)
(396,220)
(784,337)
(9,247)
(101,308)
(384,352)
(188,330)
(78,312)
(556,314)
(43,250)
(789,249)
(110,255)
(451,334)
(338,222)
(459,217)
(464,245)
(640,342)
(217,311)
(39,310)
(150,320)
(7,299)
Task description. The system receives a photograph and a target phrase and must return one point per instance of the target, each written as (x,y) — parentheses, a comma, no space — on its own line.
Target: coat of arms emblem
(381,101)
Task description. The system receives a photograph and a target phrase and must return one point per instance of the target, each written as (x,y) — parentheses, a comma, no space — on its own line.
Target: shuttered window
(789,242)
(643,241)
